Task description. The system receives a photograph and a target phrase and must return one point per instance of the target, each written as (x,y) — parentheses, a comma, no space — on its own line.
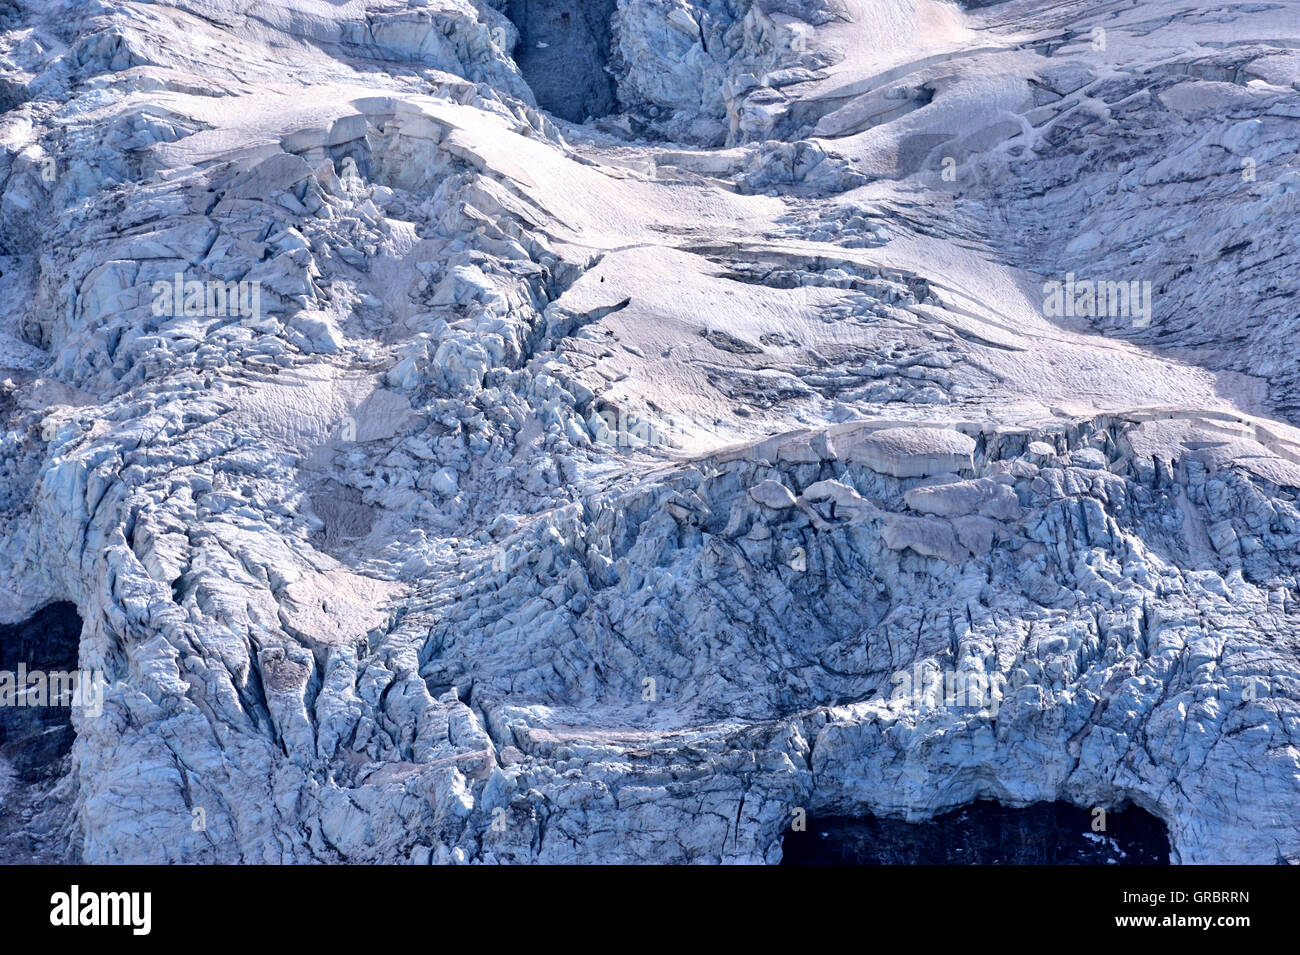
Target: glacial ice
(572,493)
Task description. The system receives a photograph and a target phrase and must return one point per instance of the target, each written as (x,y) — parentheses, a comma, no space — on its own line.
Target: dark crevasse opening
(35,740)
(34,737)
(985,833)
(562,52)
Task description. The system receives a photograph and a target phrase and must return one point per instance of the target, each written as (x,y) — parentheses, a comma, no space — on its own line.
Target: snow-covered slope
(514,490)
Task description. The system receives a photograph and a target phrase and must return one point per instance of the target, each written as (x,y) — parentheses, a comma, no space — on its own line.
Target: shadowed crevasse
(33,738)
(36,741)
(562,52)
(986,833)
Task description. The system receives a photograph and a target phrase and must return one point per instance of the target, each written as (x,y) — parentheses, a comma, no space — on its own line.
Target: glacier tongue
(439,480)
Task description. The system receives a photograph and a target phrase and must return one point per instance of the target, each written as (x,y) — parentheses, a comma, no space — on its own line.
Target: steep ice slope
(565,495)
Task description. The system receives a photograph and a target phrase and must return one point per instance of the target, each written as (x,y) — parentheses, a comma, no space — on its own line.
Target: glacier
(513,431)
